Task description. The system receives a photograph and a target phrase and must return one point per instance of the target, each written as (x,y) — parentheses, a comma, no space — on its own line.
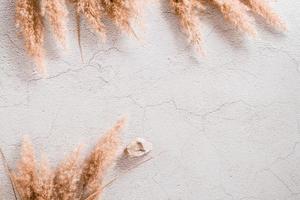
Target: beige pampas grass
(186,10)
(43,186)
(55,11)
(25,177)
(92,12)
(66,178)
(31,13)
(72,179)
(99,160)
(30,24)
(121,12)
(262,8)
(234,11)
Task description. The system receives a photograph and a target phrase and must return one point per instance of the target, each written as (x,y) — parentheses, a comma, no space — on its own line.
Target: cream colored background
(224,126)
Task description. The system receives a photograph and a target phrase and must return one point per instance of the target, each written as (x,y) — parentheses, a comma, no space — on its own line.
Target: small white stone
(138,147)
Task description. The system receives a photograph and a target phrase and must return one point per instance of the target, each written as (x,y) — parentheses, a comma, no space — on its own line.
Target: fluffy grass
(187,12)
(235,12)
(55,11)
(73,178)
(31,28)
(30,16)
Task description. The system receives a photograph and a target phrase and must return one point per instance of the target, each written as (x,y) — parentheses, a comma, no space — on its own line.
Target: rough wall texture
(224,126)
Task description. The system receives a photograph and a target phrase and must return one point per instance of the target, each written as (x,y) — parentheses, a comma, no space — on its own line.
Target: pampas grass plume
(73,179)
(262,8)
(55,11)
(100,159)
(25,176)
(92,12)
(234,11)
(30,25)
(66,177)
(121,12)
(31,13)
(186,10)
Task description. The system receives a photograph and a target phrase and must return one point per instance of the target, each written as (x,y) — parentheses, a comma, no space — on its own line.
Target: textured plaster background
(225,126)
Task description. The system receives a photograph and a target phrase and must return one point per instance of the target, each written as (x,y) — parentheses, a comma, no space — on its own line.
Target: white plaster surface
(225,126)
